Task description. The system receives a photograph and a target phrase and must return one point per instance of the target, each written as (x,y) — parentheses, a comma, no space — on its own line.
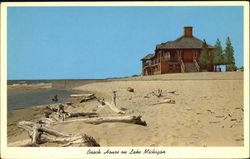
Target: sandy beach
(208,111)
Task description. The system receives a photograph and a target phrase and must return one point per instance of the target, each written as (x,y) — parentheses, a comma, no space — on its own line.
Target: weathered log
(111,106)
(130,89)
(31,125)
(21,143)
(59,114)
(54,132)
(85,99)
(81,95)
(170,101)
(47,112)
(101,101)
(81,114)
(114,108)
(73,140)
(33,131)
(173,92)
(159,93)
(35,134)
(69,103)
(99,120)
(40,134)
(55,108)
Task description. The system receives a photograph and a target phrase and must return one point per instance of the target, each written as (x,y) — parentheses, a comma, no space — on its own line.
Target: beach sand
(208,111)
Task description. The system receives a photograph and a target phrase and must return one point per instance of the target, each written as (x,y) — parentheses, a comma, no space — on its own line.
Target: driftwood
(114,108)
(111,106)
(130,89)
(40,134)
(55,108)
(69,103)
(22,143)
(101,101)
(85,99)
(158,93)
(81,95)
(173,92)
(59,114)
(170,101)
(99,120)
(82,114)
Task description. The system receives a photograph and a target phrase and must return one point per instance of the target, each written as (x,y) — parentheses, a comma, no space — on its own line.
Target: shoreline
(194,120)
(28,87)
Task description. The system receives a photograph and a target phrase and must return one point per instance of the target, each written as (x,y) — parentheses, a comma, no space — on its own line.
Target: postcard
(124,80)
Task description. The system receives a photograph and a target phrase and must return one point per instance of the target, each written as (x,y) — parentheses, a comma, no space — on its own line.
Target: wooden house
(180,55)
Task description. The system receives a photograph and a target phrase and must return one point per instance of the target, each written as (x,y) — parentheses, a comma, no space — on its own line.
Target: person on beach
(114,97)
(55,98)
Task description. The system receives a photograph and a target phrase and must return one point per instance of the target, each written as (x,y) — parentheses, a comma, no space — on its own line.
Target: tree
(217,54)
(204,58)
(229,56)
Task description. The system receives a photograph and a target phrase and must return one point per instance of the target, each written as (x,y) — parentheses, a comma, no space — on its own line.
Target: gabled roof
(182,42)
(148,57)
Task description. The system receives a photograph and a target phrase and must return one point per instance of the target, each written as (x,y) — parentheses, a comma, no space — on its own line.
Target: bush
(134,75)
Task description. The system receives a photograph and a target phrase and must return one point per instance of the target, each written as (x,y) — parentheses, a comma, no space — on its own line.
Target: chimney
(188,31)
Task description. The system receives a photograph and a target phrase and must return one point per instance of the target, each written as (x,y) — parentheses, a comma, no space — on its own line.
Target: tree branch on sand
(39,135)
(83,97)
(99,120)
(170,101)
(59,114)
(111,106)
(114,108)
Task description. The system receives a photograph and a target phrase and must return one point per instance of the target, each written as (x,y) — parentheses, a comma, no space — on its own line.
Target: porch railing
(196,64)
(182,65)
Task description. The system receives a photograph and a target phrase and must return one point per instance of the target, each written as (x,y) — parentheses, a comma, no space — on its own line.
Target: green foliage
(229,56)
(231,67)
(203,59)
(218,54)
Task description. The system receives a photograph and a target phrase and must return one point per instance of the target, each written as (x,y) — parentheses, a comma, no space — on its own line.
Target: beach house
(180,55)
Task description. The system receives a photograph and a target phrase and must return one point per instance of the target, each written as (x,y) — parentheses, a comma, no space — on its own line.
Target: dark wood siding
(187,55)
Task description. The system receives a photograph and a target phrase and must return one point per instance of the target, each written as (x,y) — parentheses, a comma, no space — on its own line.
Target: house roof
(148,57)
(182,42)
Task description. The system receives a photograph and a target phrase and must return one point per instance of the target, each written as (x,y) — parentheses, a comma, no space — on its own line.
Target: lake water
(26,99)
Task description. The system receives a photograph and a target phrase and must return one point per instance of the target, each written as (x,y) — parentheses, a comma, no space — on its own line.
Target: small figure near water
(55,98)
(114,97)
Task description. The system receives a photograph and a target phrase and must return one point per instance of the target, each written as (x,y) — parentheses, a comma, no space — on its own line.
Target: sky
(105,42)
